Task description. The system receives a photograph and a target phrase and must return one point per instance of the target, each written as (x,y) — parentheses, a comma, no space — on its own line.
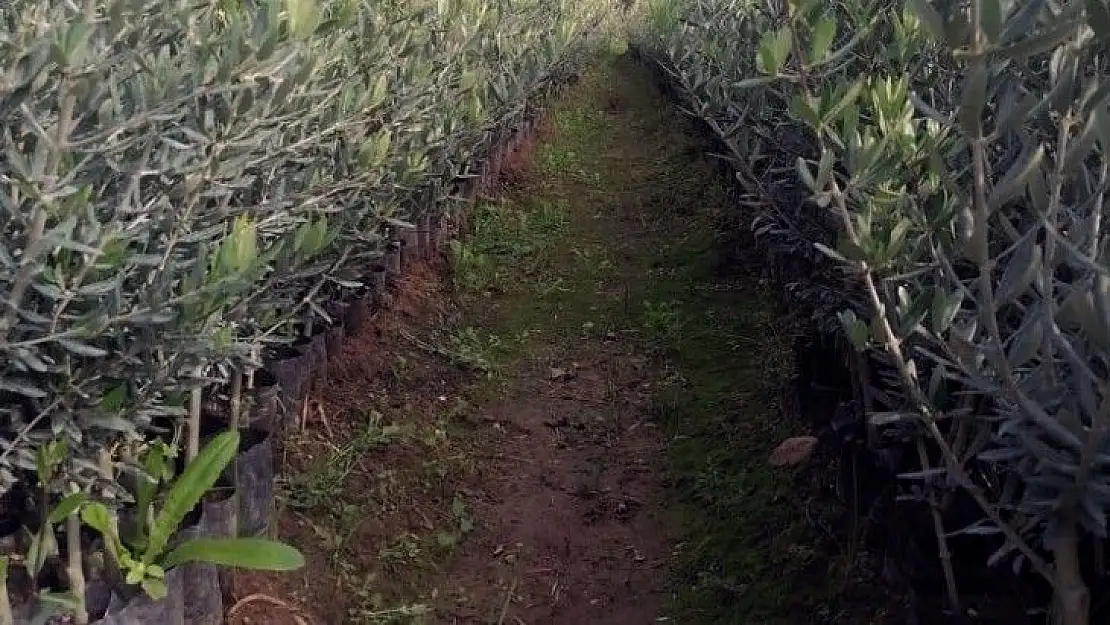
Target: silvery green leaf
(1016,178)
(937,389)
(24,459)
(1002,454)
(31,360)
(1022,265)
(957,32)
(856,330)
(1006,549)
(1100,489)
(979,528)
(48,290)
(33,317)
(923,475)
(81,349)
(1102,125)
(887,418)
(153,318)
(831,253)
(1037,187)
(1063,70)
(898,237)
(1078,256)
(928,111)
(911,318)
(148,260)
(1079,148)
(1026,341)
(21,387)
(1092,515)
(1098,18)
(114,423)
(804,173)
(945,305)
(1022,20)
(177,145)
(104,287)
(1013,114)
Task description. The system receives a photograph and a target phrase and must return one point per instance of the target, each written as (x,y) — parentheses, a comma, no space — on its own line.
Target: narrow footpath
(569,422)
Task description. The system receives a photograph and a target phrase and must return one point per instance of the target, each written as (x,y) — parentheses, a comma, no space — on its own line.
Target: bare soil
(565,536)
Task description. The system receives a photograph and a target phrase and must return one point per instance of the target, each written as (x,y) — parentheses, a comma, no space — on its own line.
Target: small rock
(558,373)
(793,451)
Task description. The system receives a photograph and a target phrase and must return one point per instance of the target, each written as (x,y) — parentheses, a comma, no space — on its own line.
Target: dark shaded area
(829,394)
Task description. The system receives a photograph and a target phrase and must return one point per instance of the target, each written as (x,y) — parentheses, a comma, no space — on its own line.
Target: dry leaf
(793,451)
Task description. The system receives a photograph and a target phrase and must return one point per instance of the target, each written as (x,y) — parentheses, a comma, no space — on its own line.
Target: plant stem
(196,396)
(938,529)
(6,617)
(236,399)
(74,569)
(235,424)
(1070,598)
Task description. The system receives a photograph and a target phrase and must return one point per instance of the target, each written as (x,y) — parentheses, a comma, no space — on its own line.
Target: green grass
(502,237)
(344,489)
(319,487)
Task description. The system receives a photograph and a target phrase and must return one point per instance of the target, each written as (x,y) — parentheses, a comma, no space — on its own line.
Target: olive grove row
(950,162)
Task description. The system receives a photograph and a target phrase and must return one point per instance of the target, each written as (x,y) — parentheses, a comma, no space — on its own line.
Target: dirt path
(573,428)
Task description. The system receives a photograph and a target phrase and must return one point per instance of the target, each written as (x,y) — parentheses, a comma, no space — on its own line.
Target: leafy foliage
(953,159)
(185,182)
(183,495)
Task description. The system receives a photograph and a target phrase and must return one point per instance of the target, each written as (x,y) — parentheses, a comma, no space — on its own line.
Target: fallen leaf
(793,451)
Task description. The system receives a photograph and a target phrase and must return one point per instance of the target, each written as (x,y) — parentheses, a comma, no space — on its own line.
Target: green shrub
(185,183)
(959,152)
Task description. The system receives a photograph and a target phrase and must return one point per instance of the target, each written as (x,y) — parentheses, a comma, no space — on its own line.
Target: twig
(508,600)
(324,419)
(240,604)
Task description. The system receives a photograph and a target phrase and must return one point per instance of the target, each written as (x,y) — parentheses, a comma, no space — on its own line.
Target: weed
(470,346)
(663,322)
(558,161)
(472,270)
(503,238)
(323,485)
(578,125)
(367,613)
(405,551)
(463,524)
(594,259)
